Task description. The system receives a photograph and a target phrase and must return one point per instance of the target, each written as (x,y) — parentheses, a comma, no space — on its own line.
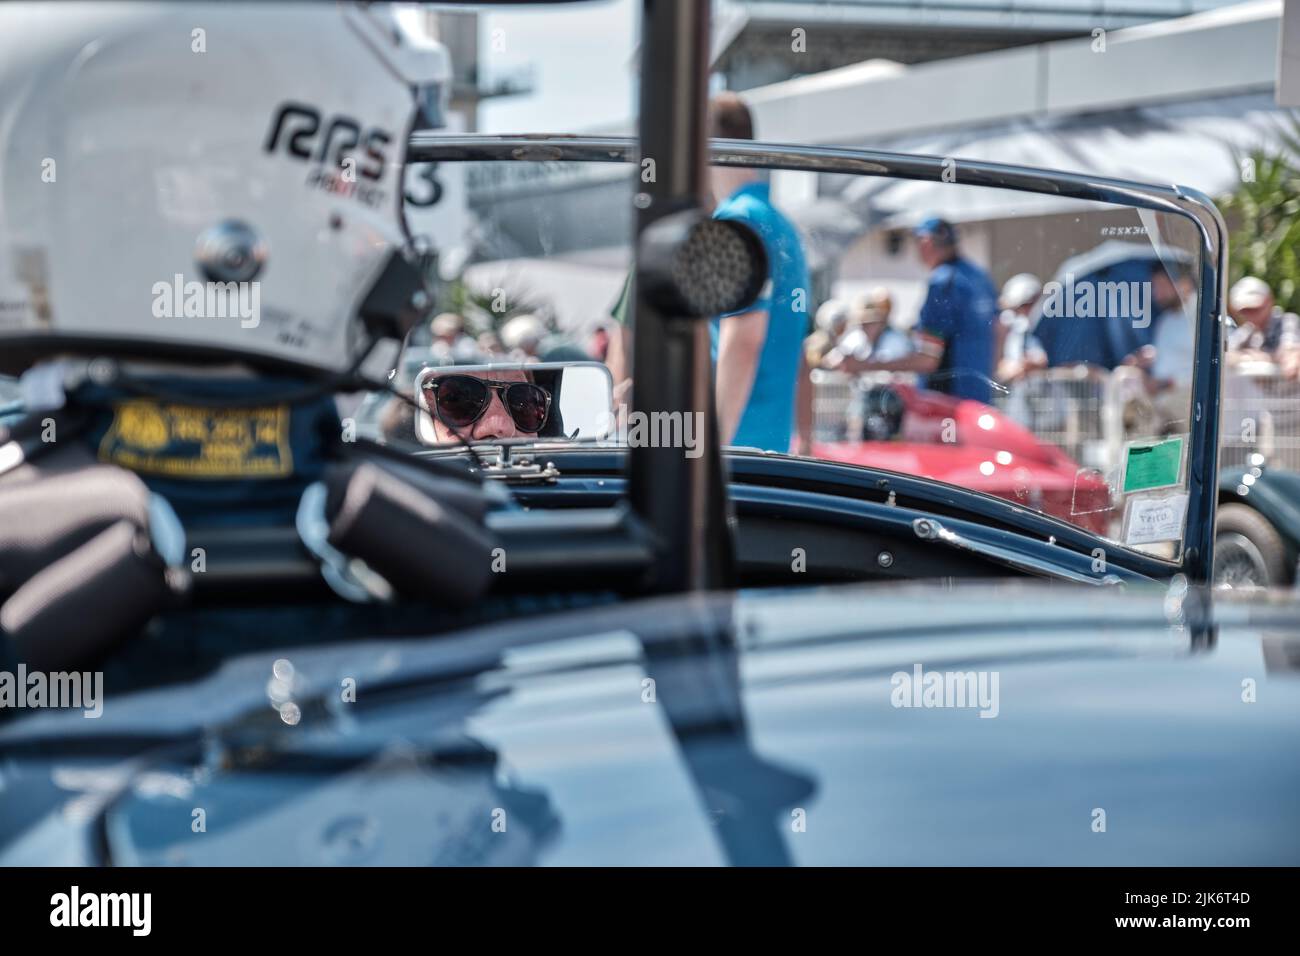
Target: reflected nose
(496,421)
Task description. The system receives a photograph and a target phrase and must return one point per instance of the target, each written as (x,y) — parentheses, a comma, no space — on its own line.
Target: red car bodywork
(971,445)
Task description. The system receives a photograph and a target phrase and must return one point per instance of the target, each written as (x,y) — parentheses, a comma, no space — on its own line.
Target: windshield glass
(1028,346)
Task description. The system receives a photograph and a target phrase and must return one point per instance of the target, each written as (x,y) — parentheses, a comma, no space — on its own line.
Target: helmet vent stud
(230,251)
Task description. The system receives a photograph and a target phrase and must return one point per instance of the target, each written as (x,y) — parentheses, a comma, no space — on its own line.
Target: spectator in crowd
(619,354)
(1019,352)
(1264,332)
(831,322)
(870,336)
(489,344)
(522,338)
(560,349)
(761,383)
(954,340)
(1172,352)
(757,352)
(447,328)
(598,343)
(1171,356)
(450,343)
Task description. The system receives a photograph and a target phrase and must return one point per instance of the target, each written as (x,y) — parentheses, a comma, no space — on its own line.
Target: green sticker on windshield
(1153,465)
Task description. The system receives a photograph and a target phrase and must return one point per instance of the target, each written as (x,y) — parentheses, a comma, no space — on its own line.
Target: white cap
(1020,290)
(1249,293)
(523,331)
(831,313)
(872,307)
(447,323)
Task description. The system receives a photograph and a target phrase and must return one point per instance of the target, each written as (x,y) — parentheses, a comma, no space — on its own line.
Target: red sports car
(975,446)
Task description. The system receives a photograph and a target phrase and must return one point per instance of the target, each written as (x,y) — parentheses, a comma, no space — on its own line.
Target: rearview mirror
(555,401)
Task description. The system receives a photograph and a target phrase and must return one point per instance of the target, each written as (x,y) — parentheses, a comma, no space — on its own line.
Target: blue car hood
(789,727)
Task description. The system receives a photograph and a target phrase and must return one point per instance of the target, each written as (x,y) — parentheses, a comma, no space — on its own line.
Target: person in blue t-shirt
(758,353)
(954,339)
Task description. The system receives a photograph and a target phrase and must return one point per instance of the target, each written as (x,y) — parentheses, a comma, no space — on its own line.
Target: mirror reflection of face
(495,423)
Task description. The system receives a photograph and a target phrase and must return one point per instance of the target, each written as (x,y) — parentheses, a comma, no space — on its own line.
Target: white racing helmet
(208,181)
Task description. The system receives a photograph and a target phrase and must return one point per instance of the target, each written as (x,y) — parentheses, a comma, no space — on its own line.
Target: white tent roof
(1224,52)
(1198,144)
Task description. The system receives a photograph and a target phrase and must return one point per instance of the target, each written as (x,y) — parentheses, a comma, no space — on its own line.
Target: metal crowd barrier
(1090,414)
(1261,415)
(836,400)
(1064,407)
(833,398)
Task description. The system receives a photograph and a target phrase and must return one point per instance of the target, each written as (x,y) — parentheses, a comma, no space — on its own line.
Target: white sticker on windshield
(1155,519)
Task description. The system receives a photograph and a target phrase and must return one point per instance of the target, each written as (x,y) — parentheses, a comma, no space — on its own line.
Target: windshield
(1032,347)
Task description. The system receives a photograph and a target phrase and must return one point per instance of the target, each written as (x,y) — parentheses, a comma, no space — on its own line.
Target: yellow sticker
(190,441)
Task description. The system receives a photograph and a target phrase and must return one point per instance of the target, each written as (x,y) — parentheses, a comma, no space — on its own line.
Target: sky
(582,60)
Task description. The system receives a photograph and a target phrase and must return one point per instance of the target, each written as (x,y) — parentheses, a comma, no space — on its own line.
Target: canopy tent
(1197,143)
(577,290)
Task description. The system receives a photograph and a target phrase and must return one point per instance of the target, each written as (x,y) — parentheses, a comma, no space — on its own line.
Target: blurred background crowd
(1101,88)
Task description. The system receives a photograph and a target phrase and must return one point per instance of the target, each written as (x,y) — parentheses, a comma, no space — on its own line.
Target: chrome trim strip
(930,529)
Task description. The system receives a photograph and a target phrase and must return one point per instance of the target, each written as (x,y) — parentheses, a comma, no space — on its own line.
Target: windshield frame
(1196,556)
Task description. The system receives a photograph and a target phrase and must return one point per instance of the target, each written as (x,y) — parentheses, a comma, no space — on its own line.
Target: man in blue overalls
(954,339)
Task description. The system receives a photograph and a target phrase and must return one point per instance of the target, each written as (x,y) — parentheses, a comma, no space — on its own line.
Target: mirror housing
(696,266)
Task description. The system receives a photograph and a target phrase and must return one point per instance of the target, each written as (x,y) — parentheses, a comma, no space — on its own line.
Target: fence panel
(1261,415)
(1090,414)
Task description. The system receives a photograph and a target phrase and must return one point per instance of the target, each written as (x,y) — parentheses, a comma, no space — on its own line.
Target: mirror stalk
(681,500)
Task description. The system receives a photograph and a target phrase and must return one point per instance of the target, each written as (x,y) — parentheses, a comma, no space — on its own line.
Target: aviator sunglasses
(461,400)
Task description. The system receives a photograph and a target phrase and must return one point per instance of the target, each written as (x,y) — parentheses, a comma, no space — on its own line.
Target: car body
(1153,728)
(700,659)
(1258,533)
(976,446)
(763,702)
